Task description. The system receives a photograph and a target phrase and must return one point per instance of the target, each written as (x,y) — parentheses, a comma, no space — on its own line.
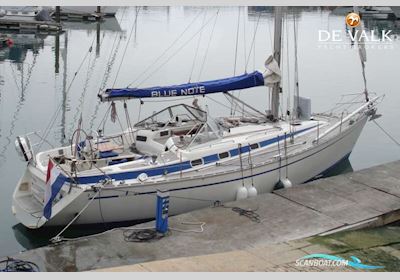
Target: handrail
(339,123)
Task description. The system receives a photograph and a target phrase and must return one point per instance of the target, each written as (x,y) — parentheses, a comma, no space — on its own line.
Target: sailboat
(198,158)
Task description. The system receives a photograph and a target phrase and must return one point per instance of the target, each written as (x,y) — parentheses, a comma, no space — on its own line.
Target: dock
(286,219)
(27,23)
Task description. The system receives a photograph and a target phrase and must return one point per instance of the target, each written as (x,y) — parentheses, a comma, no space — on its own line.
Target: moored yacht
(198,157)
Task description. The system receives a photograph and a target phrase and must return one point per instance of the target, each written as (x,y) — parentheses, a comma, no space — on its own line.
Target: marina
(114,127)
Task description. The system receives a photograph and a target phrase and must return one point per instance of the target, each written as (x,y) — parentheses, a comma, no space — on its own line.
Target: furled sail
(200,88)
(273,73)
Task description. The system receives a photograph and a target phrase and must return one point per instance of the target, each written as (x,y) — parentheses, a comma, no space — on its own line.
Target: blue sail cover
(223,85)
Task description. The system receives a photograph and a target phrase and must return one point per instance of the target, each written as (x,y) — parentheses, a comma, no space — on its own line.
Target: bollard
(162,211)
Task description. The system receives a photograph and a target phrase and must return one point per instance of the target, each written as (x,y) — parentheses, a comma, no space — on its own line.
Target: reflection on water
(37,71)
(22,87)
(342,167)
(31,239)
(22,44)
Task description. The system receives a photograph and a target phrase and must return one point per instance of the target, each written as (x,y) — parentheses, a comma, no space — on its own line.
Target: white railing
(343,120)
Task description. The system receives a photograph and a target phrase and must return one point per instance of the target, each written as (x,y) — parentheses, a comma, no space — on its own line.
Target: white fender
(241,193)
(252,191)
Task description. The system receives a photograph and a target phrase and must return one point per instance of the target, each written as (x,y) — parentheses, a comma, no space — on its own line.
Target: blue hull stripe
(179,166)
(254,175)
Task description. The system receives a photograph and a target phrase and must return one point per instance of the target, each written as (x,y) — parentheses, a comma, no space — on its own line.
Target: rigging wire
(166,50)
(106,76)
(296,66)
(253,40)
(248,58)
(254,45)
(197,48)
(237,41)
(177,51)
(107,72)
(54,116)
(236,49)
(220,103)
(127,44)
(208,46)
(129,123)
(244,40)
(289,90)
(79,108)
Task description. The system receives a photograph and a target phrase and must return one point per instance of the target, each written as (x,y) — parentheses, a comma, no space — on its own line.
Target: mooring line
(387,134)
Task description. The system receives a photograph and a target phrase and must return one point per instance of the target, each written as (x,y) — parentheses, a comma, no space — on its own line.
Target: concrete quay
(364,199)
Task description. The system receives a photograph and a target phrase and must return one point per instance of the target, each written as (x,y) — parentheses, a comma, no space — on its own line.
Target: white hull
(190,193)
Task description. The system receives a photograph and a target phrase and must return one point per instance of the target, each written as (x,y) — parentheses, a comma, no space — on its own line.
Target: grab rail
(346,119)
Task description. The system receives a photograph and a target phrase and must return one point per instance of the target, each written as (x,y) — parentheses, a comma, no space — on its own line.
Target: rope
(150,234)
(58,238)
(141,235)
(201,224)
(387,134)
(248,213)
(251,214)
(16,265)
(166,50)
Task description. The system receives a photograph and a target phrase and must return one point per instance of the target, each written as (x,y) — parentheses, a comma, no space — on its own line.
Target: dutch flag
(54,182)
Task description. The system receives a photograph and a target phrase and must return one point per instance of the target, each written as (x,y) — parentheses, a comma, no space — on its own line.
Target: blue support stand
(162,211)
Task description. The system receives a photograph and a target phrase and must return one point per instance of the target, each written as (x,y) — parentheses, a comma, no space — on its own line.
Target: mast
(296,70)
(277,56)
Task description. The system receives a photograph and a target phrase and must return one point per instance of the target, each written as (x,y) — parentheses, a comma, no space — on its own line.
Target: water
(34,82)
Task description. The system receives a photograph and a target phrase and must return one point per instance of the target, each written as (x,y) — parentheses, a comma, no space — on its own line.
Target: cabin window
(254,146)
(141,138)
(223,155)
(164,133)
(196,162)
